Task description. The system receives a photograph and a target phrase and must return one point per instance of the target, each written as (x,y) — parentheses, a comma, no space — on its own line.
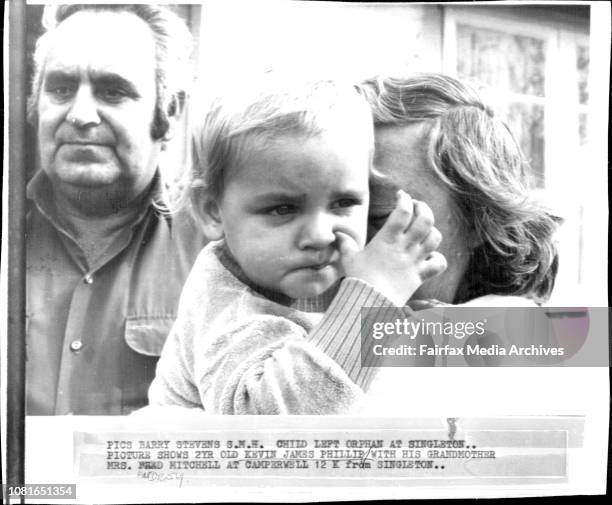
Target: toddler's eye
(346,202)
(281,210)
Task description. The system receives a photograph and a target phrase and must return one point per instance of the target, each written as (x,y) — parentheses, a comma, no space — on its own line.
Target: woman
(439,142)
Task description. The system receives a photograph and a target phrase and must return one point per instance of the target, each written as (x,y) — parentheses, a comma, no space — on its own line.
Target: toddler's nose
(317,232)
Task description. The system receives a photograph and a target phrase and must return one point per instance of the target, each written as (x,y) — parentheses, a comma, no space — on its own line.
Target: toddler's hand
(401,255)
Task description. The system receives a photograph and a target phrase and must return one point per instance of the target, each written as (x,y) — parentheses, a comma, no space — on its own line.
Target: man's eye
(281,210)
(112,94)
(61,92)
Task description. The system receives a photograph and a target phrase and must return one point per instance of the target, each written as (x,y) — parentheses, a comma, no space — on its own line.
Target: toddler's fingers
(400,217)
(434,264)
(432,240)
(421,224)
(346,244)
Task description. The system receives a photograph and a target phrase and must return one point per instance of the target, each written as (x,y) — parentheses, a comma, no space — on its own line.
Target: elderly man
(105,265)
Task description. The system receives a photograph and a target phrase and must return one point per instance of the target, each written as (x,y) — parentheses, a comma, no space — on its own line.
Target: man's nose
(84,109)
(317,231)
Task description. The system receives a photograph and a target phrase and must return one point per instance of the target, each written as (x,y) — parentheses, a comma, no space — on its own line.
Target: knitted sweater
(235,349)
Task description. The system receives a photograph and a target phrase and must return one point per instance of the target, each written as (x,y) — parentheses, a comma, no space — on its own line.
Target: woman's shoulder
(499,301)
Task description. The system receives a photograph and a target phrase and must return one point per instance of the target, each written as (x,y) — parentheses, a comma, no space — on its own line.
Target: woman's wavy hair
(477,158)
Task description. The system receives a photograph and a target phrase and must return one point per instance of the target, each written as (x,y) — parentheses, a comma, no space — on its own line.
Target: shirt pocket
(146,335)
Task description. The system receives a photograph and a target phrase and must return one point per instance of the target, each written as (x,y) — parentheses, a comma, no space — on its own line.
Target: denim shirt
(94,333)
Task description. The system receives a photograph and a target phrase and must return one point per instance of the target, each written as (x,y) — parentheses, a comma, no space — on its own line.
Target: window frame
(493,22)
(577,270)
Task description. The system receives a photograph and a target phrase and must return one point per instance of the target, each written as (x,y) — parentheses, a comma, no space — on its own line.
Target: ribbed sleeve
(339,333)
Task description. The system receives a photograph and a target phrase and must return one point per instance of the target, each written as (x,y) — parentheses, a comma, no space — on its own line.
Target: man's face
(400,156)
(96,105)
(281,209)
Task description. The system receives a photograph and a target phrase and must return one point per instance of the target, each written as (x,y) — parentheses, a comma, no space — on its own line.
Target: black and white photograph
(201,302)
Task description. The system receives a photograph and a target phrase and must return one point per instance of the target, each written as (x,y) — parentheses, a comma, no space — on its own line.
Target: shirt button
(76,345)
(88,279)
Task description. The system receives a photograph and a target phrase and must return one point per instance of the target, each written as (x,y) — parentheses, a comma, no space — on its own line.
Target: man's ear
(173,109)
(211,219)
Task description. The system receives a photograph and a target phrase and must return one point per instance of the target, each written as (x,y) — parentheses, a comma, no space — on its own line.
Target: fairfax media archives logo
(462,336)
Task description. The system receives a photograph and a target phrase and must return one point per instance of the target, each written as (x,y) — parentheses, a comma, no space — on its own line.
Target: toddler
(281,188)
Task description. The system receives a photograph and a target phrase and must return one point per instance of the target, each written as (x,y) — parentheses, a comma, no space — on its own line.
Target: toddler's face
(282,207)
